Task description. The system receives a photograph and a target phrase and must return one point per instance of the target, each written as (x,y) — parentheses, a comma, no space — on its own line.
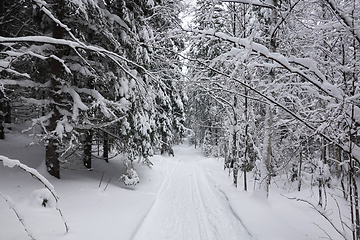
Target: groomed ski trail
(188,206)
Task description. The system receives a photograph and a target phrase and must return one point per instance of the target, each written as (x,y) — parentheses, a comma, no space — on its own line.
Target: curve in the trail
(188,207)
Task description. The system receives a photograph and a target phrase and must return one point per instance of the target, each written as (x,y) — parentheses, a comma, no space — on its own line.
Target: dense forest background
(270,86)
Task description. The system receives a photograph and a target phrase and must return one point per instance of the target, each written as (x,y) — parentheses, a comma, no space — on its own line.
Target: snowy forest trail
(188,204)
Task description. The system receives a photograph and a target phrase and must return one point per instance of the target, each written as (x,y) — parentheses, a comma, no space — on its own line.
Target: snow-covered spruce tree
(103,67)
(69,88)
(168,67)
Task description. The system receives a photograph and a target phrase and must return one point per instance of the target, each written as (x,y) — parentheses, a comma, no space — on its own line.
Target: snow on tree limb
(348,20)
(102,102)
(22,83)
(15,54)
(7,162)
(308,65)
(355,150)
(77,101)
(42,6)
(251,2)
(76,45)
(283,61)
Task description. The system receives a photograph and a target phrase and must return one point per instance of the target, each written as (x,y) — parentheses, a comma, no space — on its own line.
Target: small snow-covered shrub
(130,177)
(42,198)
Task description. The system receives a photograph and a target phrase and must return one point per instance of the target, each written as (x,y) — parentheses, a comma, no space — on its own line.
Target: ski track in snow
(188,207)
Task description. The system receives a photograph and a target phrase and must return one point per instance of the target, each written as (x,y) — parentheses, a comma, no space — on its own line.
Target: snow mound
(42,198)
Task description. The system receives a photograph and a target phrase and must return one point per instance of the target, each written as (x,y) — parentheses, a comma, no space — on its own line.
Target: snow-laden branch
(7,162)
(355,150)
(103,102)
(15,54)
(23,83)
(76,45)
(42,5)
(308,65)
(251,2)
(348,20)
(12,71)
(285,62)
(77,101)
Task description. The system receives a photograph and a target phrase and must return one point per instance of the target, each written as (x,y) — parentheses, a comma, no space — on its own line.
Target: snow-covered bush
(130,177)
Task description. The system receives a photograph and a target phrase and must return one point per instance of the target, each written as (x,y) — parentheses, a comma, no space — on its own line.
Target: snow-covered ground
(183,197)
(189,206)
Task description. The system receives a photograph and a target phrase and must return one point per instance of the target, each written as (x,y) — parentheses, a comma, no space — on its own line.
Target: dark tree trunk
(87,148)
(106,147)
(234,162)
(246,162)
(7,112)
(2,113)
(88,137)
(299,171)
(52,154)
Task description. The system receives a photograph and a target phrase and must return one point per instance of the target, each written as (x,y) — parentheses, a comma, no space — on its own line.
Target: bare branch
(17,213)
(343,234)
(251,2)
(7,162)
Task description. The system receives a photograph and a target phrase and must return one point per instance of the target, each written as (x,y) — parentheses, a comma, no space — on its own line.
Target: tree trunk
(265,165)
(299,171)
(246,162)
(52,154)
(234,161)
(2,134)
(106,147)
(234,164)
(88,148)
(2,113)
(7,112)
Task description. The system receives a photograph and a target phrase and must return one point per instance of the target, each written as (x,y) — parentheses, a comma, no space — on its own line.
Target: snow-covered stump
(7,162)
